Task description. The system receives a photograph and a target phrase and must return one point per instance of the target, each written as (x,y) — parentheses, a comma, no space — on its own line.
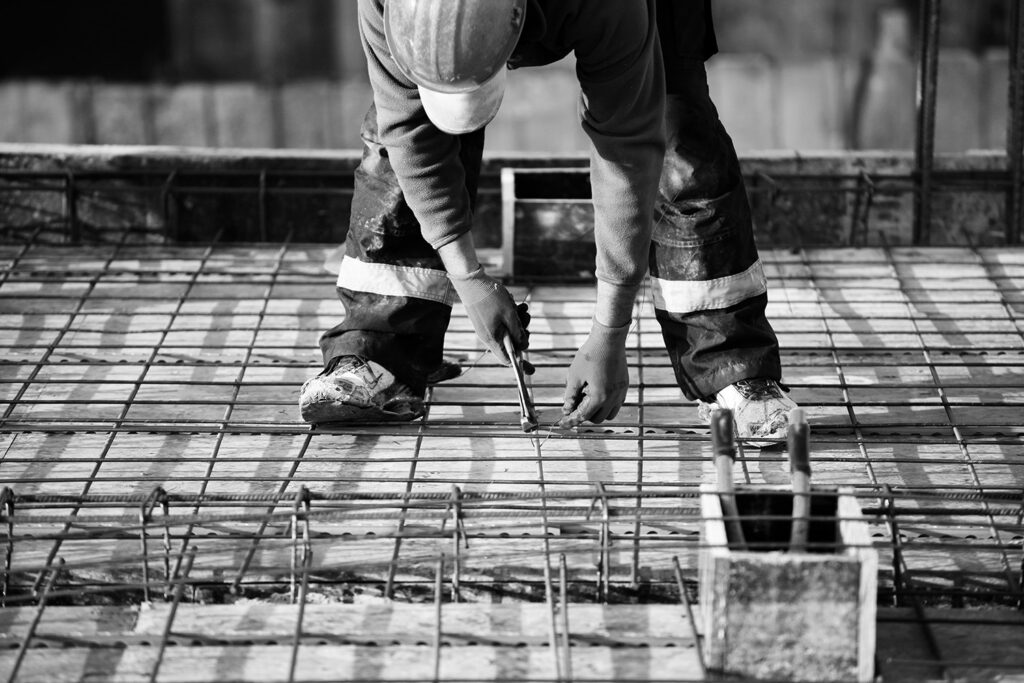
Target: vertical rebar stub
(7,510)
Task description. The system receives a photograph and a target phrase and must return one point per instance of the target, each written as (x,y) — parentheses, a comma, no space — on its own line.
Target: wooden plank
(507,624)
(332,663)
(72,622)
(369,618)
(991,653)
(389,632)
(977,644)
(504,624)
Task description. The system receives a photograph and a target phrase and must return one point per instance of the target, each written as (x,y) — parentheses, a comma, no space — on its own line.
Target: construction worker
(667,191)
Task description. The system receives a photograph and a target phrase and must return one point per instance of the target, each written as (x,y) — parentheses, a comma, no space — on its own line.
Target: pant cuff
(367,347)
(705,386)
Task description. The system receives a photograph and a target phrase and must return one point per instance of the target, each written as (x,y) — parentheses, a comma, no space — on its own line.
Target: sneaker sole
(346,413)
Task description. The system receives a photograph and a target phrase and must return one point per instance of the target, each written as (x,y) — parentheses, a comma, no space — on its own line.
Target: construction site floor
(168,516)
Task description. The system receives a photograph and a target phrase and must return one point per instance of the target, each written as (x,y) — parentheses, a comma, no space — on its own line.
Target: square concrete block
(770,613)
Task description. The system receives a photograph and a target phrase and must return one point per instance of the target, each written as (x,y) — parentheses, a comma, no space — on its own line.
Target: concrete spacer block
(768,613)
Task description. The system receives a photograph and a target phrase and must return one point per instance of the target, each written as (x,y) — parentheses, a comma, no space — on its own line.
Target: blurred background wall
(793,74)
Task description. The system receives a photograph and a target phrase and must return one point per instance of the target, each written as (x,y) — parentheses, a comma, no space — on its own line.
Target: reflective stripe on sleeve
(389,280)
(689,296)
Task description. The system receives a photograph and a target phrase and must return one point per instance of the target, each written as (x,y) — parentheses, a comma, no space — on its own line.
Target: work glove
(598,377)
(493,312)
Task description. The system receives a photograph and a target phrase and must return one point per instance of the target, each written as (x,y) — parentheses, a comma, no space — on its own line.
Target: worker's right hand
(598,377)
(492,311)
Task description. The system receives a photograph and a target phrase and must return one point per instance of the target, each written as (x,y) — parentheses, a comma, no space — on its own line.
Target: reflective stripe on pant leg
(690,296)
(391,280)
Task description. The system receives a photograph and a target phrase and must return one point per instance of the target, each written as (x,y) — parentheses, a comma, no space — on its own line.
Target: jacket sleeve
(424,158)
(621,76)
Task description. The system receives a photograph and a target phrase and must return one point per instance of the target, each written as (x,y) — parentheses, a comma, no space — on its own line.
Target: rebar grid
(149,438)
(152,448)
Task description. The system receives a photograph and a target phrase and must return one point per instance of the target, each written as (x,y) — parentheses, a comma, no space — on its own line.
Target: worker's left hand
(598,377)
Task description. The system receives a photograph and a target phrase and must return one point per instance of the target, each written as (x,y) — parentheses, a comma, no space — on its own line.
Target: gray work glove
(492,311)
(598,377)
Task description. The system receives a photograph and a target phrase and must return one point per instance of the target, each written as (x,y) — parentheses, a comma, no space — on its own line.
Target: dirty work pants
(707,281)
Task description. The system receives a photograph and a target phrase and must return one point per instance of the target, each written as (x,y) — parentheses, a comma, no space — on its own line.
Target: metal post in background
(1015,134)
(74,230)
(924,150)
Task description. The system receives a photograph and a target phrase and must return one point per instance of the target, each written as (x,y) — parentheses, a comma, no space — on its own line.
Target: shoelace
(758,389)
(353,364)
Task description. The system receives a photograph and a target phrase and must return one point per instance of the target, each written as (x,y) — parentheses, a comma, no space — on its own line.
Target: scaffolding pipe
(924,149)
(1015,133)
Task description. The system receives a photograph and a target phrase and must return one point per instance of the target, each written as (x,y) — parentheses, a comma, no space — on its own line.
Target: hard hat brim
(464,112)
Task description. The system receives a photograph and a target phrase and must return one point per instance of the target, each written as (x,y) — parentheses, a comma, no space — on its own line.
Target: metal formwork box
(547,223)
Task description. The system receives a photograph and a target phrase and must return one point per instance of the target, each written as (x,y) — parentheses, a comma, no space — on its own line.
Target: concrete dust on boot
(358,390)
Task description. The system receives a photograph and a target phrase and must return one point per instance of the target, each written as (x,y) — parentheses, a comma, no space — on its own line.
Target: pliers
(528,417)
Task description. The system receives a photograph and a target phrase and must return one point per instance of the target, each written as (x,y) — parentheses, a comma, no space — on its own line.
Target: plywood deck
(259,642)
(127,367)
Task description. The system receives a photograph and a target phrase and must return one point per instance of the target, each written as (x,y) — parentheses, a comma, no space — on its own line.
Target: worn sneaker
(357,390)
(760,410)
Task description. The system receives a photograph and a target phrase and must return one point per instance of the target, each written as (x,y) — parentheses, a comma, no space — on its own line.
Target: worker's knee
(702,239)
(702,221)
